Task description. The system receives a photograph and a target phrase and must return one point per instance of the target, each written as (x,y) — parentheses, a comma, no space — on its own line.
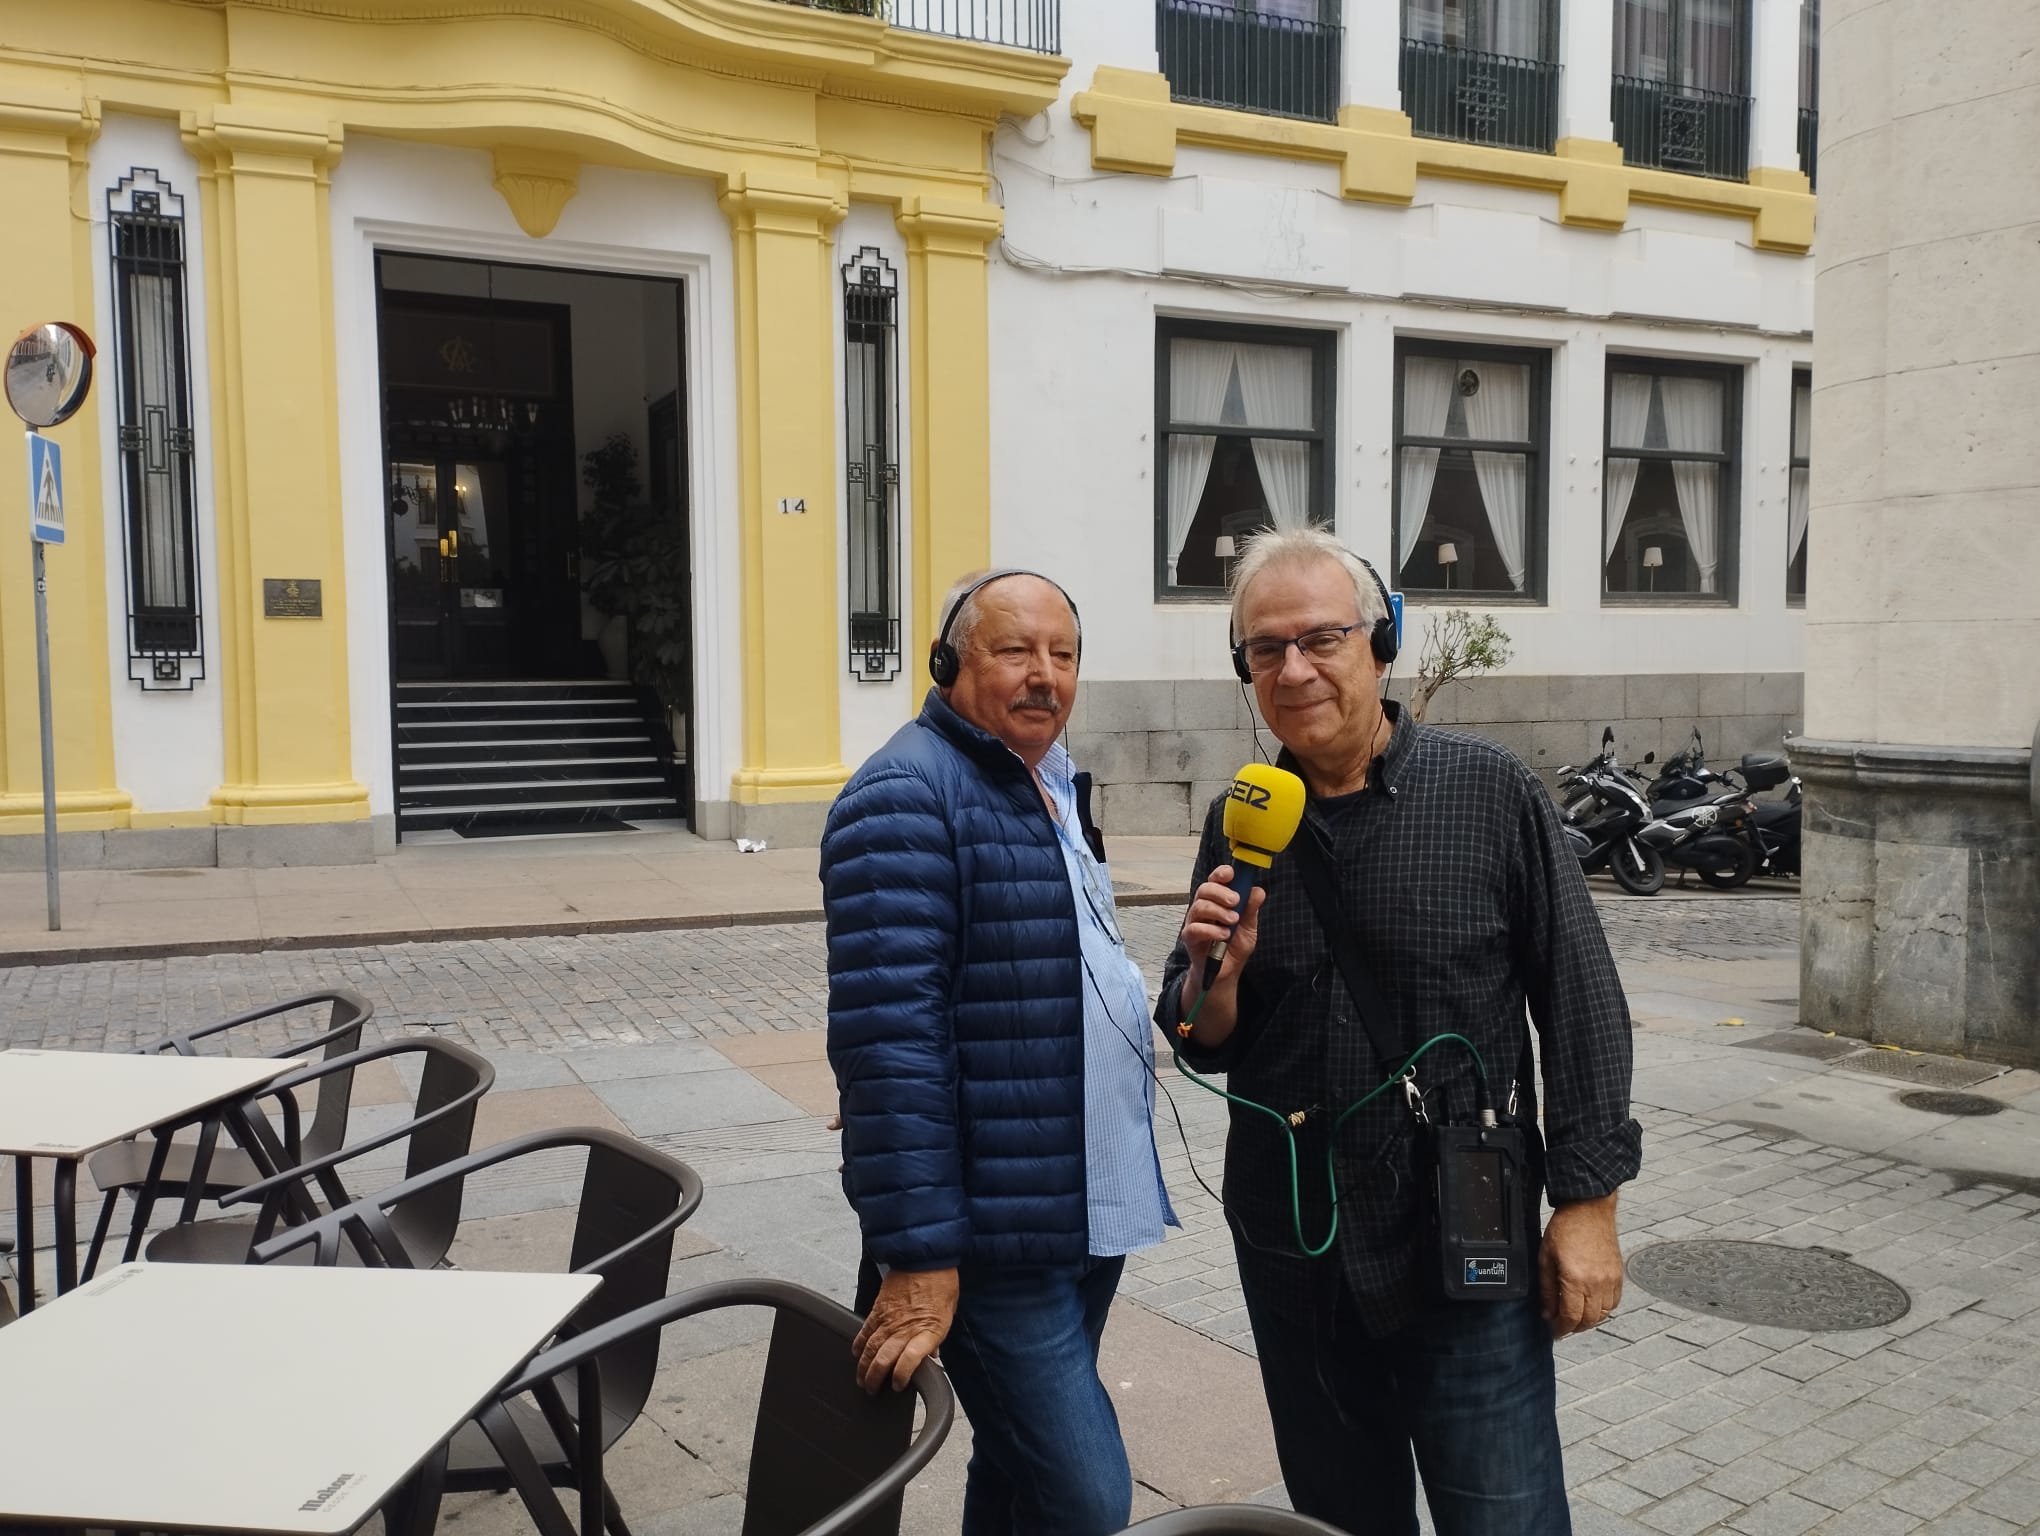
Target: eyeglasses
(1265,653)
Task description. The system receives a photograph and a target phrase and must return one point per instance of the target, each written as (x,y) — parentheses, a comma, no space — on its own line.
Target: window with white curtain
(1695,44)
(1669,487)
(1517,29)
(1471,424)
(1242,436)
(1797,484)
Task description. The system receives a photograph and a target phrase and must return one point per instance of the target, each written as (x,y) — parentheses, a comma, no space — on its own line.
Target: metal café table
(254,1398)
(66,1105)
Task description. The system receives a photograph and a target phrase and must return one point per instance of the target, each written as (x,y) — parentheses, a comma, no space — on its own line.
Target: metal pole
(49,740)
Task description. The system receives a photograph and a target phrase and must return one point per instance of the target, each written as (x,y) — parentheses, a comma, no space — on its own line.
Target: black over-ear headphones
(945,665)
(1381,639)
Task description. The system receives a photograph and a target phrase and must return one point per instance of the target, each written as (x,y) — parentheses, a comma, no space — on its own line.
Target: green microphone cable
(1288,1123)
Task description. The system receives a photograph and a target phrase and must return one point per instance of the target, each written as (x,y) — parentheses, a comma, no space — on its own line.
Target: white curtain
(1500,412)
(1628,417)
(1427,406)
(1514,28)
(1199,373)
(1275,389)
(1693,424)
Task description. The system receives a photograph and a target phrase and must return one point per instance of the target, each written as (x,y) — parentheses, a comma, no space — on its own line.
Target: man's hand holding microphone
(1262,811)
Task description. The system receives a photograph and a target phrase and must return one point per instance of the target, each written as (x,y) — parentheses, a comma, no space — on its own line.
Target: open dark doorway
(540,595)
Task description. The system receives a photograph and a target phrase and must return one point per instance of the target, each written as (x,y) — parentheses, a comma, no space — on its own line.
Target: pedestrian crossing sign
(45,489)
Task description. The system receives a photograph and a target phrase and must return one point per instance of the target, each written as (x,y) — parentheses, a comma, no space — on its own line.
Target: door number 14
(793,504)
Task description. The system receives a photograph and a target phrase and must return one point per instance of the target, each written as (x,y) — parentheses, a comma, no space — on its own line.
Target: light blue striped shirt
(1128,1205)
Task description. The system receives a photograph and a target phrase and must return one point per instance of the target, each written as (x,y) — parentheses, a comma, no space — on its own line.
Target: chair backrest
(1230,1520)
(633,1198)
(347,1012)
(826,1459)
(439,1132)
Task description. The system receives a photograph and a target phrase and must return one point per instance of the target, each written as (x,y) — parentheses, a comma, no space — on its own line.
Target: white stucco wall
(1090,259)
(431,200)
(168,747)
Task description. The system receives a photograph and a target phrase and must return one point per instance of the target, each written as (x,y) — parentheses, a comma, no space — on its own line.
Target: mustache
(1047,701)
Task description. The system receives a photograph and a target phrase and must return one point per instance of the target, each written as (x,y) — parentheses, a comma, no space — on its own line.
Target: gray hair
(965,624)
(1291,547)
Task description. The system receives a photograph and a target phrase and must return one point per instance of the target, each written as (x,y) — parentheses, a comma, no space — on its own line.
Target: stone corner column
(780,221)
(49,252)
(263,183)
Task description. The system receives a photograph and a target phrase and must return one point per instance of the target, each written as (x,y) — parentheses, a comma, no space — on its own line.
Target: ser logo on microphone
(1254,796)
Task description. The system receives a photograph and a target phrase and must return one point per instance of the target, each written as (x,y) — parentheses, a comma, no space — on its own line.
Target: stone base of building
(1161,750)
(344,842)
(1921,918)
(791,824)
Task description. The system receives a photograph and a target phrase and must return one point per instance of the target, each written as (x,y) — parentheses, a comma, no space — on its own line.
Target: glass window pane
(1802,419)
(1710,45)
(1643,39)
(1629,409)
(1200,375)
(1494,400)
(1275,386)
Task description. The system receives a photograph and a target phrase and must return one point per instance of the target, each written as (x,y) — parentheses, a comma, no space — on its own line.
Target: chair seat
(125,1165)
(225,1242)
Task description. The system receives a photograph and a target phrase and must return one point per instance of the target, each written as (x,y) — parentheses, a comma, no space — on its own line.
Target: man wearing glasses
(1462,905)
(994,1062)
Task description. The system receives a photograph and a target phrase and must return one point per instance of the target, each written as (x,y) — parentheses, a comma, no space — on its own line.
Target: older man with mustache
(994,1061)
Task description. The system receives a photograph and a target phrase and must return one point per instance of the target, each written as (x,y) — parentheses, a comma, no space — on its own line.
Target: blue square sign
(45,490)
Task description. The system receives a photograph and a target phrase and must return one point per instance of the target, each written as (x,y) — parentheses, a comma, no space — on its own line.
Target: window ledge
(1135,127)
(1681,600)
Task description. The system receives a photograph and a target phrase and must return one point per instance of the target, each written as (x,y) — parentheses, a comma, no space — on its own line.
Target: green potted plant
(634,573)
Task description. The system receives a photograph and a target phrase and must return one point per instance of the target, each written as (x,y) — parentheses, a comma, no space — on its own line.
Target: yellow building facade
(740,162)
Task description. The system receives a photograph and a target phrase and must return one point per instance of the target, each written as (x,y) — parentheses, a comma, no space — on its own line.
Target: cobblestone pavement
(1674,1422)
(560,993)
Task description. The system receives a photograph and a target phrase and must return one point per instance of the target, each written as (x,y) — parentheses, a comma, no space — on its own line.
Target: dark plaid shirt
(1467,907)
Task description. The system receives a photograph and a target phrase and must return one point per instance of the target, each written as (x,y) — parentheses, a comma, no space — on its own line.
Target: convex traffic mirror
(49,371)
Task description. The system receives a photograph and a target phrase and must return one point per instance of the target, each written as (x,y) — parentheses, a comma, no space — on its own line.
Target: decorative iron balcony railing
(1809,142)
(1031,24)
(1217,55)
(1479,98)
(1680,128)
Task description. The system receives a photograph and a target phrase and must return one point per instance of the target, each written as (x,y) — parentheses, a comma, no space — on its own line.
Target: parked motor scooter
(1709,837)
(1605,811)
(1773,827)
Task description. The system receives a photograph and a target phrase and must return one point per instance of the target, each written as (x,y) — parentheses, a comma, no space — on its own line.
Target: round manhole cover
(1937,1102)
(1769,1285)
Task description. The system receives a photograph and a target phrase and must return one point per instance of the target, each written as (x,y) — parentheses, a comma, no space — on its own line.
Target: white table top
(66,1104)
(253,1398)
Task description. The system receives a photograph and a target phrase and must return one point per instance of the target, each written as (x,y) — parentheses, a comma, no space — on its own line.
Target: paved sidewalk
(706,1043)
(605,882)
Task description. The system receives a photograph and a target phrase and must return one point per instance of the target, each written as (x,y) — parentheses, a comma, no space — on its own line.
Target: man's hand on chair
(907,1324)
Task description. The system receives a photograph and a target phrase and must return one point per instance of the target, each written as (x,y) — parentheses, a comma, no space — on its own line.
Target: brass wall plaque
(287,598)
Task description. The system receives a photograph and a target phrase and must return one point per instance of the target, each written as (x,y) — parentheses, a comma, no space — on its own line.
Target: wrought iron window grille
(1459,93)
(1682,128)
(872,469)
(1032,24)
(156,441)
(1216,53)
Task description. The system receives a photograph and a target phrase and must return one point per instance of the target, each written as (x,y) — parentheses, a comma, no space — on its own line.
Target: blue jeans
(1046,1458)
(1468,1386)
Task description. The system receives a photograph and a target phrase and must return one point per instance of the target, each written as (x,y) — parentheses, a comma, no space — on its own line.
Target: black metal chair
(1231,1520)
(633,1199)
(440,1131)
(162,1166)
(826,1460)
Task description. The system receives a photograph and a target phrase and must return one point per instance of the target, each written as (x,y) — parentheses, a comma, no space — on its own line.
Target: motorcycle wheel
(1737,874)
(1622,864)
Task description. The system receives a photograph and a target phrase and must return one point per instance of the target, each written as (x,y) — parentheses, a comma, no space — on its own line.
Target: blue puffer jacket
(956,1024)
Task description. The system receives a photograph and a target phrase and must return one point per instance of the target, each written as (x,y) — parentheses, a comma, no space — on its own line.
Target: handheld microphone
(1263,809)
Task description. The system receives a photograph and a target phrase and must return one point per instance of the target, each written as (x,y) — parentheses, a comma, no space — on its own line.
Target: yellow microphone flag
(1262,811)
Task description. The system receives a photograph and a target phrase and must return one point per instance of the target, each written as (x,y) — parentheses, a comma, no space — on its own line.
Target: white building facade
(1516,295)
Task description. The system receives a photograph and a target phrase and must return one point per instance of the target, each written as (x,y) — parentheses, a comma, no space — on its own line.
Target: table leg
(24,1233)
(67,1225)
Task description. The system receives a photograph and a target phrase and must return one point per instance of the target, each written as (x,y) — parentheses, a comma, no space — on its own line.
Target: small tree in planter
(634,566)
(1457,646)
